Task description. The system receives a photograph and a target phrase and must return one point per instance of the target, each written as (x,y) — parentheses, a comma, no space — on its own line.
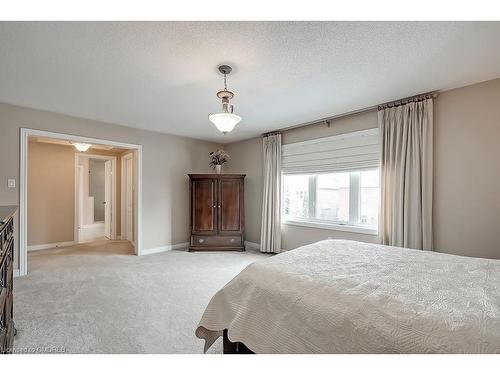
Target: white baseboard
(50,245)
(161,249)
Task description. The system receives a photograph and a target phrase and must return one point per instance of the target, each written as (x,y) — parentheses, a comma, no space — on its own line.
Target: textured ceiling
(163,76)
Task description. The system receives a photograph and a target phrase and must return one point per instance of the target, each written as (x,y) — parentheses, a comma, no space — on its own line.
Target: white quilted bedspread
(350,297)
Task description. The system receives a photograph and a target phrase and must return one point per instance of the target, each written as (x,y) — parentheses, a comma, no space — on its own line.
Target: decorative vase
(218,168)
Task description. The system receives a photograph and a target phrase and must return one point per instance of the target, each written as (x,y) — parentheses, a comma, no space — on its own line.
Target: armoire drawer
(216,241)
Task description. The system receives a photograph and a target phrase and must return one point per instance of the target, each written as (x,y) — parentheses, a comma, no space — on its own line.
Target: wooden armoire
(217,212)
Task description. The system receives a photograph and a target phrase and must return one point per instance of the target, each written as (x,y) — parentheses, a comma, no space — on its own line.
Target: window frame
(352,225)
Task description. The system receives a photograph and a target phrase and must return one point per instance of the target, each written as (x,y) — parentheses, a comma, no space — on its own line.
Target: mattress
(340,296)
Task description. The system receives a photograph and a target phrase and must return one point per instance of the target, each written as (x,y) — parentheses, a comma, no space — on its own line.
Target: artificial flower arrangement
(217,158)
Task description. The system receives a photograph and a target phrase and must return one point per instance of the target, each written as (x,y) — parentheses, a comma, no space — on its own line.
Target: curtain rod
(415,98)
(327,120)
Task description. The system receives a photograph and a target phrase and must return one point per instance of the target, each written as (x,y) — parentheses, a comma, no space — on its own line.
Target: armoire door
(203,215)
(231,202)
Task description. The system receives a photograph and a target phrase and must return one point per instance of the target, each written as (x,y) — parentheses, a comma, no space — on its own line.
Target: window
(333,182)
(349,199)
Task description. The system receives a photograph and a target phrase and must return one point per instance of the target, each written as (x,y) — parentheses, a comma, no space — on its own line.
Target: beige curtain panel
(270,237)
(406,137)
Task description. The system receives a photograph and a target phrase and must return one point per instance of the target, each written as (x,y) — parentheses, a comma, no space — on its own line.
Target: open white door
(79,185)
(108,185)
(129,206)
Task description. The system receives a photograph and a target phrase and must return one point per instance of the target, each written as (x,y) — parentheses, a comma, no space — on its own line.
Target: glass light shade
(82,147)
(225,122)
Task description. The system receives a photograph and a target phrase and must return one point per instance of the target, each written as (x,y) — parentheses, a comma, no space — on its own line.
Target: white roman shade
(356,150)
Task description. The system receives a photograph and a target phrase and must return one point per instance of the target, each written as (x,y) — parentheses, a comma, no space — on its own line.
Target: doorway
(74,141)
(95,197)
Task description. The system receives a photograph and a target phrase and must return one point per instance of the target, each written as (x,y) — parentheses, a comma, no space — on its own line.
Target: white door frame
(23,186)
(113,192)
(123,232)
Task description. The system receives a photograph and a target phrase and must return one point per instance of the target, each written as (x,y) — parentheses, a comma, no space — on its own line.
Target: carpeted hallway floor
(100,298)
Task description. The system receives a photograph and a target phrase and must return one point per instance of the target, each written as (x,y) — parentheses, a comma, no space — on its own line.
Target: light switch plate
(11,183)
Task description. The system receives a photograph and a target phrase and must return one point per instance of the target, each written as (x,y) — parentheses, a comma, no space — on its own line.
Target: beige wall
(51,189)
(362,121)
(166,161)
(466,178)
(246,157)
(466,170)
(50,193)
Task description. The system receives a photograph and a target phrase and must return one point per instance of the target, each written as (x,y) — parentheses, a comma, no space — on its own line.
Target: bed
(340,296)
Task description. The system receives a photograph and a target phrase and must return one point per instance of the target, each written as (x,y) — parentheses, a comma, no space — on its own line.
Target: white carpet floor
(100,298)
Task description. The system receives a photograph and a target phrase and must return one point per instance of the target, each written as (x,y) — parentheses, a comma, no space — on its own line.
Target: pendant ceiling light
(226,120)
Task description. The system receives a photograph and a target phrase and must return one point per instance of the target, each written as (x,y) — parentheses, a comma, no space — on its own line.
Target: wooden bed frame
(229,347)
